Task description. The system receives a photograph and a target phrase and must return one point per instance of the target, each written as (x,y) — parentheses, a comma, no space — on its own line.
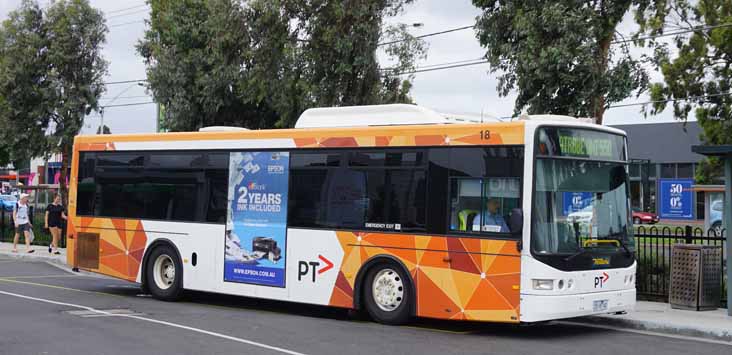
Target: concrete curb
(658,327)
(58,261)
(38,255)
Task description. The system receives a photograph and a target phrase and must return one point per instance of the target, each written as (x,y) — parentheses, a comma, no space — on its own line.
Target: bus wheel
(387,294)
(164,274)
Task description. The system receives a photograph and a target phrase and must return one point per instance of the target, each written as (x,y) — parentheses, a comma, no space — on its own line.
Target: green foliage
(558,54)
(25,83)
(259,64)
(50,76)
(699,77)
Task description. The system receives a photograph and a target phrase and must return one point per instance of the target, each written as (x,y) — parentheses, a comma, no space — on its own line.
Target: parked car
(640,217)
(715,216)
(582,216)
(8,202)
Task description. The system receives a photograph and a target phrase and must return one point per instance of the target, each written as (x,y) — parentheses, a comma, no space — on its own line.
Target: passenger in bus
(492,220)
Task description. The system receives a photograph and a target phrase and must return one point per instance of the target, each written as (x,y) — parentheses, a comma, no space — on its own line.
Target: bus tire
(164,274)
(387,294)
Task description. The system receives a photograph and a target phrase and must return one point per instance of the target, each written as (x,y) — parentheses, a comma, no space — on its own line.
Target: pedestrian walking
(22,223)
(55,217)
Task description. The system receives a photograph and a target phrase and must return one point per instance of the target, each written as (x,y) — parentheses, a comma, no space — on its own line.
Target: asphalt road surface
(45,309)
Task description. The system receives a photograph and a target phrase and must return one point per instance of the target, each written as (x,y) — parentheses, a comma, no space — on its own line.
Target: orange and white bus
(394,209)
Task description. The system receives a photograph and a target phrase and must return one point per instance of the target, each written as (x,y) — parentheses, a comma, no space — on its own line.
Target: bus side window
(484,185)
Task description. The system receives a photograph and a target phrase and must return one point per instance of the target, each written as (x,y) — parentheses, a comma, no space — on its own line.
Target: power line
(125,9)
(130,104)
(437,64)
(125,23)
(418,70)
(128,14)
(124,97)
(124,82)
(669,34)
(428,35)
(688,98)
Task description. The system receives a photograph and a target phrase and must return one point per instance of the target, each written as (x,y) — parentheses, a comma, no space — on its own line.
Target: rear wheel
(387,295)
(636,220)
(164,274)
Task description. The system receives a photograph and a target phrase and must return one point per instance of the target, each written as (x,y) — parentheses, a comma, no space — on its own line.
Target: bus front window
(580,206)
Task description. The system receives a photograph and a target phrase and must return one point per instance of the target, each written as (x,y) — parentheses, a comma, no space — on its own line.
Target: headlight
(540,284)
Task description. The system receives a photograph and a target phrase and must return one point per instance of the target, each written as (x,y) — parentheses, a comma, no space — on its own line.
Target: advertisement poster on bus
(256,223)
(575,202)
(676,198)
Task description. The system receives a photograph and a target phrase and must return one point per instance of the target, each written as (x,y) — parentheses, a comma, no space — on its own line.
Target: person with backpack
(55,217)
(21,217)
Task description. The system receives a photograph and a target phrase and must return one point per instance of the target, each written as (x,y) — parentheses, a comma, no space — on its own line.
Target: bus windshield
(581,204)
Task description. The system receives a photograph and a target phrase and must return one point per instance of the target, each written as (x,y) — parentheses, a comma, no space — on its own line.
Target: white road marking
(174,325)
(646,332)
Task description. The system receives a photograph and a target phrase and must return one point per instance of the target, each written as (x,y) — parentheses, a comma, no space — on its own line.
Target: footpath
(661,318)
(40,253)
(648,316)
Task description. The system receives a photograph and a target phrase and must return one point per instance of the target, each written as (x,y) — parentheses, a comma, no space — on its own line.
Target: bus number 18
(485,135)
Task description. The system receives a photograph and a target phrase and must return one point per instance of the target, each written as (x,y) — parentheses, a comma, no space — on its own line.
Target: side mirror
(516,221)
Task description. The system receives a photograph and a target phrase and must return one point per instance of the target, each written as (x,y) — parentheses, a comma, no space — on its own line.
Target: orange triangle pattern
(509,133)
(455,278)
(121,244)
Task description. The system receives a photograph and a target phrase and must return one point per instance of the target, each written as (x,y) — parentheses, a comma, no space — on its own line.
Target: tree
(559,55)
(50,76)
(199,57)
(332,57)
(259,64)
(699,78)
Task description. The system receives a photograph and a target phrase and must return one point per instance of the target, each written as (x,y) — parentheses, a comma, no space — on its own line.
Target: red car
(640,217)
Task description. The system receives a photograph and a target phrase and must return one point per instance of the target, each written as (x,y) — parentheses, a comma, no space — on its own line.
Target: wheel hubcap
(164,272)
(388,290)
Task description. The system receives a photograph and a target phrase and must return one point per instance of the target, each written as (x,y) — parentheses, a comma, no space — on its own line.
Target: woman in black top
(55,216)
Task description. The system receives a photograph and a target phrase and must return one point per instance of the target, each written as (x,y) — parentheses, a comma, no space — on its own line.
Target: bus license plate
(599,305)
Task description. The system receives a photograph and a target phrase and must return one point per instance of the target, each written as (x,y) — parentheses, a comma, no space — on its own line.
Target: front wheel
(388,297)
(164,274)
(636,220)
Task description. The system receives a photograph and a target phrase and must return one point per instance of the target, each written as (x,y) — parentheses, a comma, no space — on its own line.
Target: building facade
(660,153)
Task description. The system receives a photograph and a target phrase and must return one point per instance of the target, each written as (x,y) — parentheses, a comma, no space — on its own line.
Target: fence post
(688,234)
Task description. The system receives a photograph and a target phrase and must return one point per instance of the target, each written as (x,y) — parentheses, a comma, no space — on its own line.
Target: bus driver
(492,219)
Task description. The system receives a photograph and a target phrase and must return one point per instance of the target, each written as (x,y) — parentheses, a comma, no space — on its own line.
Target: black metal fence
(42,235)
(653,252)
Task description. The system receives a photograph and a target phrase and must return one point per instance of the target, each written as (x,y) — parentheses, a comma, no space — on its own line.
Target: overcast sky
(466,90)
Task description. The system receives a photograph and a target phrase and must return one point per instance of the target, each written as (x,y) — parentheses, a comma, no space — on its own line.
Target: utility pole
(101,113)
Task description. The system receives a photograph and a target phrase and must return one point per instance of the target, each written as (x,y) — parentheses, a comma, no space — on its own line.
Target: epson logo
(275,169)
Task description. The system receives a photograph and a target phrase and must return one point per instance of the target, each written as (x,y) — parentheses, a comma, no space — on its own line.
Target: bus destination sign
(580,143)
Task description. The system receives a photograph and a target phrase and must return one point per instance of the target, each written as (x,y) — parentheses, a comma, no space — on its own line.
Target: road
(45,309)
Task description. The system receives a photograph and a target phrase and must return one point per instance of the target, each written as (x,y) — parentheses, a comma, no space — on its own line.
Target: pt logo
(311,267)
(601,280)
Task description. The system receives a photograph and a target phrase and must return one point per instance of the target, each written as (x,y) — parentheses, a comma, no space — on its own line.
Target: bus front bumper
(537,308)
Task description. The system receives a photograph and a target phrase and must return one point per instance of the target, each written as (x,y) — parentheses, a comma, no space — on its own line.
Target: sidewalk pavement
(648,316)
(661,318)
(40,253)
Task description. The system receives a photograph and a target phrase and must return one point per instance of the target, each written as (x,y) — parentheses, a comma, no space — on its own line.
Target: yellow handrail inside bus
(587,242)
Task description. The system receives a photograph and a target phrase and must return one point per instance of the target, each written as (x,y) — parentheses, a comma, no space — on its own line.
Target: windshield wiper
(582,251)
